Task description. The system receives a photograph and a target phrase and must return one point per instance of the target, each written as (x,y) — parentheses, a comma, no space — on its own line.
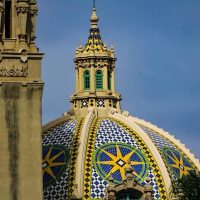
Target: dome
(80,154)
(96,150)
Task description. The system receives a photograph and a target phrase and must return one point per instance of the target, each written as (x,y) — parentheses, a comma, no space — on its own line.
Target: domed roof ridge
(167,135)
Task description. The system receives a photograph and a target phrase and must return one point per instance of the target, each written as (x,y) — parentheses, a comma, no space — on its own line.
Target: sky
(157,45)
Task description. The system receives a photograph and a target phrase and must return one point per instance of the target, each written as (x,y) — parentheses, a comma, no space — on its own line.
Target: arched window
(109,80)
(86,80)
(99,79)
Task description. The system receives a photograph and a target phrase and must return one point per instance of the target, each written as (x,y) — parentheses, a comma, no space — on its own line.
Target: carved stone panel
(13,68)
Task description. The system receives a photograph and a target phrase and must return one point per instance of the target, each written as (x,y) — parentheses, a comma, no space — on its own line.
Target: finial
(94,19)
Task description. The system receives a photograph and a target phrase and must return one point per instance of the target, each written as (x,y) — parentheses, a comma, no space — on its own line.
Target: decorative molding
(88,157)
(131,185)
(13,69)
(82,152)
(73,187)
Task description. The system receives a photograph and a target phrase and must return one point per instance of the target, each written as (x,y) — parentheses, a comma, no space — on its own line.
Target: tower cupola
(95,77)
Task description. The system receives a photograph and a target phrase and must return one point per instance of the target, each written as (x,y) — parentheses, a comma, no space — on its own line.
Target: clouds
(157,45)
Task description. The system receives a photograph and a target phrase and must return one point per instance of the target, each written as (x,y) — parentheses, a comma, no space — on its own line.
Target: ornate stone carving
(129,184)
(148,190)
(33,13)
(13,69)
(33,7)
(110,190)
(22,10)
(24,56)
(33,10)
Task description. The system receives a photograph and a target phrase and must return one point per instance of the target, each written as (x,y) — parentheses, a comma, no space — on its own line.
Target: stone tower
(20,102)
(95,75)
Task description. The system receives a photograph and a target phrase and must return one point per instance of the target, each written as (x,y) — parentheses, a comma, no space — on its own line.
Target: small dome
(80,155)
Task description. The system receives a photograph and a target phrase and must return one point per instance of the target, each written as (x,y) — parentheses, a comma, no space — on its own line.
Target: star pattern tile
(118,160)
(177,162)
(54,163)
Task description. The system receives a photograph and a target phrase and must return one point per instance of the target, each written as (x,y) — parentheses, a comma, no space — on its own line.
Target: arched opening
(8,18)
(86,80)
(109,80)
(129,195)
(99,79)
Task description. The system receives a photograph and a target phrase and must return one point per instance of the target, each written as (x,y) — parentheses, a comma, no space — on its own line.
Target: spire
(94,43)
(94,3)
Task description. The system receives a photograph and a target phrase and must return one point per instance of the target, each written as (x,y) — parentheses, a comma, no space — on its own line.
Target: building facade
(20,102)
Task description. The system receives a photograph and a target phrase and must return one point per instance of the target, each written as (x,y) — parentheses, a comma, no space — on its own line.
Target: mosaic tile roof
(94,43)
(177,163)
(57,147)
(111,145)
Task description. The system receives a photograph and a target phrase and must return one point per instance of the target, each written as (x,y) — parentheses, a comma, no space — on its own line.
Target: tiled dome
(80,154)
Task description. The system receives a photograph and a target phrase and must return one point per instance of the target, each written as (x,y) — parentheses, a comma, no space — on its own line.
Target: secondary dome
(96,151)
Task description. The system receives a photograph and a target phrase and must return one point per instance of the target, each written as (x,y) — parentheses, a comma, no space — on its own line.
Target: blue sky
(158,68)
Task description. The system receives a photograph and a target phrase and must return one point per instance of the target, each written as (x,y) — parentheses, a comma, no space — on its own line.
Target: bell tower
(20,102)
(95,75)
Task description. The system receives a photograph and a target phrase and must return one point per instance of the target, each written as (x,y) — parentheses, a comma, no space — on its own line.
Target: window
(86,80)
(99,79)
(7,19)
(127,196)
(109,80)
